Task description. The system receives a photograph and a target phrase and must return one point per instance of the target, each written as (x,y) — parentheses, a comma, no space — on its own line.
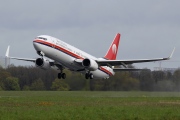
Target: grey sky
(149,28)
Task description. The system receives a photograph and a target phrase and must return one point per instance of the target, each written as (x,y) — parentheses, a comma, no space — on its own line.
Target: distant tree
(121,81)
(76,81)
(164,85)
(28,75)
(169,76)
(11,83)
(37,85)
(87,85)
(92,84)
(1,89)
(99,85)
(60,85)
(176,79)
(146,80)
(33,78)
(26,88)
(125,82)
(158,75)
(3,75)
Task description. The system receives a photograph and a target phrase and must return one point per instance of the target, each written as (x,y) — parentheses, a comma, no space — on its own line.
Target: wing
(24,59)
(52,63)
(125,69)
(125,62)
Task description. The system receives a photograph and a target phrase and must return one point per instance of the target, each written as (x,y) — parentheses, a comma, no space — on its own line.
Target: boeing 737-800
(63,56)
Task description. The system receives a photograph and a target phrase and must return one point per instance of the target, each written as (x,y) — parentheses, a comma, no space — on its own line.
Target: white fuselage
(66,55)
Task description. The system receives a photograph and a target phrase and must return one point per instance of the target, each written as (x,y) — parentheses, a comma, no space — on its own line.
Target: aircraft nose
(35,44)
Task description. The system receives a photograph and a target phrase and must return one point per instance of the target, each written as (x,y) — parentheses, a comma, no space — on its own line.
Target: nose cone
(35,44)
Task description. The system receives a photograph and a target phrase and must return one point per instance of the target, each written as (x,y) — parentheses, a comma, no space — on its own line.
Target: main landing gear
(62,75)
(89,75)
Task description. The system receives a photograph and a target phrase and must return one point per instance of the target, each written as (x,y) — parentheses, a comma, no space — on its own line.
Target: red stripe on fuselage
(69,53)
(106,71)
(59,48)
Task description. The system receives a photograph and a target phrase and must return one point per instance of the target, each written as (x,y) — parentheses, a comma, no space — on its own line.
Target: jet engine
(90,64)
(42,63)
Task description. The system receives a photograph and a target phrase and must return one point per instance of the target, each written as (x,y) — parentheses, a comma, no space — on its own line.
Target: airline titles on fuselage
(66,46)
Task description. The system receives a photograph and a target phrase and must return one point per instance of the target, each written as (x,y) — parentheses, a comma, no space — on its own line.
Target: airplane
(55,52)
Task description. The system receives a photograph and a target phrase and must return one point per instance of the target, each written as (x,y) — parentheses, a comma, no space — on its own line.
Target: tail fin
(112,52)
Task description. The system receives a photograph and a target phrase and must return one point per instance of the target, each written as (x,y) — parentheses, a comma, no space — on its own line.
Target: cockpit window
(41,38)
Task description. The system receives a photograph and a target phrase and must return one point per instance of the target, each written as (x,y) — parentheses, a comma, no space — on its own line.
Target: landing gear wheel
(86,75)
(63,75)
(91,76)
(59,75)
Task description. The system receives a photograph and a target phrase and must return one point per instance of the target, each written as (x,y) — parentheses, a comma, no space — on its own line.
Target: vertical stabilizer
(112,52)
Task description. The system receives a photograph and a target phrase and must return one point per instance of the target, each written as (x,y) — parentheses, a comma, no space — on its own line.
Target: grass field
(46,105)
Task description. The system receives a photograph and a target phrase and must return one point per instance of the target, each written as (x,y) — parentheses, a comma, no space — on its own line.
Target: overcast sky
(148,28)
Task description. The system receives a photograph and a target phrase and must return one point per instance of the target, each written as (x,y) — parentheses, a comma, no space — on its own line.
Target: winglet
(7,52)
(171,54)
(7,58)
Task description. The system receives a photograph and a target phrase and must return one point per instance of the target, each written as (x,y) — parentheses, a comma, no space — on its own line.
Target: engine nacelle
(42,63)
(90,64)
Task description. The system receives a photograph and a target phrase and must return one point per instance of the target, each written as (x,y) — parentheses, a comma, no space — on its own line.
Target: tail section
(112,52)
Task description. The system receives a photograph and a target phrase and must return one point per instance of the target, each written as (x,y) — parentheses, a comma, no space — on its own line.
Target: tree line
(33,78)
